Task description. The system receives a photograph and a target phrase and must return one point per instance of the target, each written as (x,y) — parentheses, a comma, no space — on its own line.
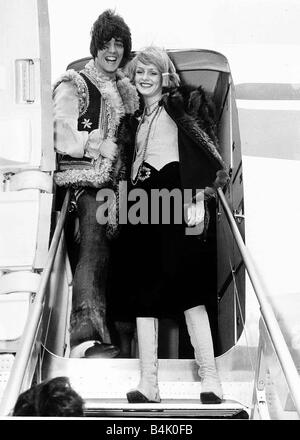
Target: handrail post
(27,340)
(281,348)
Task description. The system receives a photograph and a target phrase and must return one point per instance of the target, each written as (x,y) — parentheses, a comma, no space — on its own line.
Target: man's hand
(92,147)
(96,146)
(109,149)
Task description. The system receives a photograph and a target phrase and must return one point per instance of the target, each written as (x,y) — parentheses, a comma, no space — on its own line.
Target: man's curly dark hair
(107,26)
(50,398)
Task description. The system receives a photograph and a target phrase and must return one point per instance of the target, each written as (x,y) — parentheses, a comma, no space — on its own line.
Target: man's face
(109,58)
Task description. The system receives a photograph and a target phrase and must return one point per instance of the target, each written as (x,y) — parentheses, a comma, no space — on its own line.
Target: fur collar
(128,103)
(191,110)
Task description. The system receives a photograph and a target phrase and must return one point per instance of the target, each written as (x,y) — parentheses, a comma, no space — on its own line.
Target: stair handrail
(28,338)
(261,292)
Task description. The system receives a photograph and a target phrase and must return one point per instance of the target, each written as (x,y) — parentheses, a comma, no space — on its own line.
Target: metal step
(103,384)
(169,408)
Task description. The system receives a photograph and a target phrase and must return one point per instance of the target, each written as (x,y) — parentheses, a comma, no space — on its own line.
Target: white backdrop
(259,37)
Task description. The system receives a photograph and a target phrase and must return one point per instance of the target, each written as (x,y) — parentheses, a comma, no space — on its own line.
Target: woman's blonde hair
(160,59)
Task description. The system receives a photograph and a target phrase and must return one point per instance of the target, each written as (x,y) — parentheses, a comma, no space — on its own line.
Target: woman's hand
(195,213)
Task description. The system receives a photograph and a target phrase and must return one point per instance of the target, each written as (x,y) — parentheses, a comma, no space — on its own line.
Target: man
(89,108)
(50,398)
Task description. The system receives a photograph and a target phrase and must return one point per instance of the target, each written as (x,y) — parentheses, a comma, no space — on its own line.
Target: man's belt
(66,162)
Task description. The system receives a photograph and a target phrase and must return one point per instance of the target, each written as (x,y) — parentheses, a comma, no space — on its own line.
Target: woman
(175,149)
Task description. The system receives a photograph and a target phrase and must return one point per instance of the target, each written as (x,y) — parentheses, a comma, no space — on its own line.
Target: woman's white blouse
(162,143)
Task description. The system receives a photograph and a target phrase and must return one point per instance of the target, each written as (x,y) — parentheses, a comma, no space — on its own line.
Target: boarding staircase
(103,383)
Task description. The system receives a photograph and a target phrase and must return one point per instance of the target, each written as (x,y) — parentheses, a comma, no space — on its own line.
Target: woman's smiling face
(148,80)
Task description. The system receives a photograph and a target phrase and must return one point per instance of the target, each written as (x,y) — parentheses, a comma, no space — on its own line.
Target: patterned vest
(89,119)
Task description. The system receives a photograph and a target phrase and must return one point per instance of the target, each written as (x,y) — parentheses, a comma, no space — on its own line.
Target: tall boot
(201,339)
(147,389)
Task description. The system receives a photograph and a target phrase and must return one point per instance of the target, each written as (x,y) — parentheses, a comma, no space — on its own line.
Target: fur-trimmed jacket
(201,165)
(88,110)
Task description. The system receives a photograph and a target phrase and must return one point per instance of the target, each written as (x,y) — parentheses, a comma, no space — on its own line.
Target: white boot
(147,389)
(201,339)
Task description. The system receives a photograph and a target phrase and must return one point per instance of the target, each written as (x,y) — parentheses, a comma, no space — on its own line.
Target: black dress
(158,270)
